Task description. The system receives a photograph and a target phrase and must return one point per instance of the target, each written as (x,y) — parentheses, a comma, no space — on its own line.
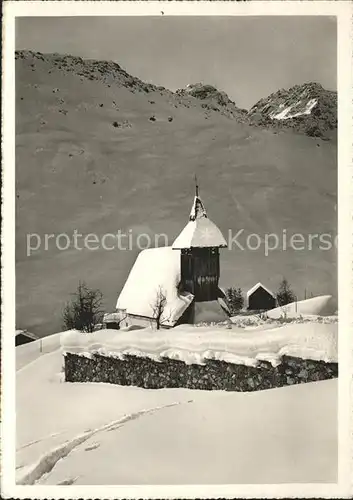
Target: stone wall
(214,375)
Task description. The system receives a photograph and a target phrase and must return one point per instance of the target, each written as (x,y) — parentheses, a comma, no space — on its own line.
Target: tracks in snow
(31,474)
(36,441)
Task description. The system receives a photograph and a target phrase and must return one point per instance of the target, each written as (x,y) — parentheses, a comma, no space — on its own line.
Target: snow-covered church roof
(200,231)
(155,269)
(158,270)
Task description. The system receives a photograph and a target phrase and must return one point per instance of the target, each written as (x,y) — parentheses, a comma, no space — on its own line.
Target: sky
(247,57)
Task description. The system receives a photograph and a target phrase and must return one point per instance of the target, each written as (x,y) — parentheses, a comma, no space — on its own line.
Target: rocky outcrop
(307,108)
(214,100)
(108,72)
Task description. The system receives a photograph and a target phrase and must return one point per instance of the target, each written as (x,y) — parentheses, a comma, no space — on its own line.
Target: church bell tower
(199,243)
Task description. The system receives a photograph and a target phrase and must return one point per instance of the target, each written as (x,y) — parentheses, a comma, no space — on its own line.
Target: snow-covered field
(274,436)
(71,433)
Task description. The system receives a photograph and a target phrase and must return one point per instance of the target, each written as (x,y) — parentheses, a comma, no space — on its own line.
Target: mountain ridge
(306,108)
(319,119)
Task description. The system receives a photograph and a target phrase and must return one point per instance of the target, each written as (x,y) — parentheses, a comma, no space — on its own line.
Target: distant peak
(307,107)
(205,91)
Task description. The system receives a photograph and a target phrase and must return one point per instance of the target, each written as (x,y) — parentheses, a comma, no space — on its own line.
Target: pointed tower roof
(197,210)
(200,231)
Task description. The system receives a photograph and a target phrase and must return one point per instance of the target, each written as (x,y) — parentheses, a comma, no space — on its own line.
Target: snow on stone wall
(204,357)
(196,345)
(213,375)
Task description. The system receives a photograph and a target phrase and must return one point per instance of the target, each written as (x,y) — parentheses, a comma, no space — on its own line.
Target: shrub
(123,124)
(235,299)
(285,294)
(313,131)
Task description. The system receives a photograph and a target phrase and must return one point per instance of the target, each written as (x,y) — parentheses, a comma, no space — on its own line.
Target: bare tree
(158,307)
(84,311)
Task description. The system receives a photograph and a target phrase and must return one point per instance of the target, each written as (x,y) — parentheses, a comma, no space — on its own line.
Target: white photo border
(343,11)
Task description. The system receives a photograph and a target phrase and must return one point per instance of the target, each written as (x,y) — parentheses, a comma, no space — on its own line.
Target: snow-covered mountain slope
(308,107)
(70,433)
(294,110)
(85,133)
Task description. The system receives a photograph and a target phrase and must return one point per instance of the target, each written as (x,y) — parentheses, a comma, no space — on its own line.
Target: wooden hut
(23,337)
(260,298)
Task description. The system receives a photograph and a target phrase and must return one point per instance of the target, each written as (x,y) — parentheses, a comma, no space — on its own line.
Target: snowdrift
(194,345)
(27,353)
(318,306)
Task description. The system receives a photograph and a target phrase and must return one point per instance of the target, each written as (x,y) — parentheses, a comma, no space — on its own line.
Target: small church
(185,274)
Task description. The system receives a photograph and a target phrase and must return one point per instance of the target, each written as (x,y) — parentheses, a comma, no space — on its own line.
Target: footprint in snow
(92,447)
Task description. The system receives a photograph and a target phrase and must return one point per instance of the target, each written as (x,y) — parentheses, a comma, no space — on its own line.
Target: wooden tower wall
(200,273)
